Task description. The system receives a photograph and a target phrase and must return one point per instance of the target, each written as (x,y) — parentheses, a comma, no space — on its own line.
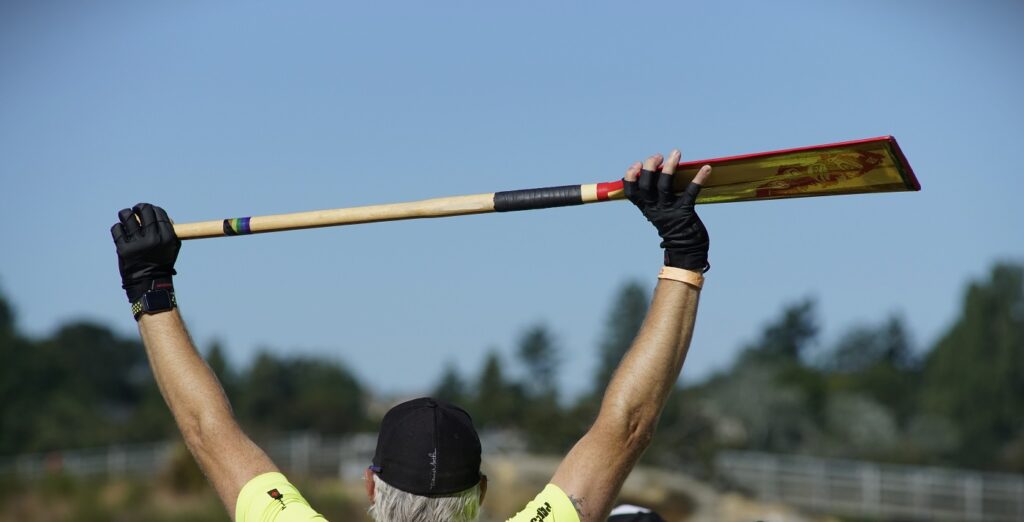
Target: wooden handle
(427,208)
(452,206)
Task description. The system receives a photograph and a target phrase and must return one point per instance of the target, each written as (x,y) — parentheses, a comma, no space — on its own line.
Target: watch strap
(138,307)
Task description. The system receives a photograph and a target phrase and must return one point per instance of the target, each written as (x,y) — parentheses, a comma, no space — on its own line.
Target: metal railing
(866,489)
(836,486)
(304,454)
(134,459)
(300,453)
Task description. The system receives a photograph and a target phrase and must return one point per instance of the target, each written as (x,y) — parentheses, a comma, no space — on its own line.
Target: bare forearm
(594,470)
(196,399)
(647,373)
(188,385)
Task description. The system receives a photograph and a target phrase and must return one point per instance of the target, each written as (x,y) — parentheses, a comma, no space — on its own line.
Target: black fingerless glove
(683,235)
(146,249)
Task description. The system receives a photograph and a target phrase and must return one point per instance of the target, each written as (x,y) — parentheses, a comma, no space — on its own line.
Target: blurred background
(856,357)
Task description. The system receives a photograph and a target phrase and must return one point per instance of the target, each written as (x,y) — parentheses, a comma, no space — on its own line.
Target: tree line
(869,394)
(85,386)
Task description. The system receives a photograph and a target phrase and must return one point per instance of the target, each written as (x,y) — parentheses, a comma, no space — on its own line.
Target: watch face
(156,301)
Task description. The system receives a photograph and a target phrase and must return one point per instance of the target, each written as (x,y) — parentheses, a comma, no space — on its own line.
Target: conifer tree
(539,355)
(975,373)
(496,399)
(629,307)
(451,387)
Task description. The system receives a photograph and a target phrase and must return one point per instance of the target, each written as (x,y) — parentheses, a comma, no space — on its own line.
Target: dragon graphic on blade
(830,170)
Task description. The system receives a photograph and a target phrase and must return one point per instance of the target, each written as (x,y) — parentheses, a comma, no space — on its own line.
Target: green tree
(878,362)
(789,337)
(777,401)
(451,386)
(80,387)
(629,307)
(497,401)
(6,319)
(299,394)
(96,380)
(975,373)
(539,354)
(863,347)
(761,409)
(686,434)
(542,422)
(15,372)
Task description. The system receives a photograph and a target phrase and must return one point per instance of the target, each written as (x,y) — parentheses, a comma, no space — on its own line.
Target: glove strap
(686,261)
(159,298)
(689,277)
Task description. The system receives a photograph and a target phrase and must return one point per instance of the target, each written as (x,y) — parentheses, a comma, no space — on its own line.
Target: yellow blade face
(855,167)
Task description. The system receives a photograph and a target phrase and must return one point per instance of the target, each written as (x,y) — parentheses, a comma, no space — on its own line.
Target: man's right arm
(594,470)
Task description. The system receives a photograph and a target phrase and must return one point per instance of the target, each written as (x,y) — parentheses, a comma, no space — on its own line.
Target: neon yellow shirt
(271,498)
(551,505)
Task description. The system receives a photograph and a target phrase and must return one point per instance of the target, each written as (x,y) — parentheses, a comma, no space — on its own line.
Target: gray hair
(391,504)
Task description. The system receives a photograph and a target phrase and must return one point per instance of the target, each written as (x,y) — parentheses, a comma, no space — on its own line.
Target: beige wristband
(689,277)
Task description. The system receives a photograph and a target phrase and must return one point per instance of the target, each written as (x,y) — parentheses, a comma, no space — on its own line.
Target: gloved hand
(684,237)
(146,249)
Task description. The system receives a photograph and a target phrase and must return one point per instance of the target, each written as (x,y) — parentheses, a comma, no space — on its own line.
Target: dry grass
(181,494)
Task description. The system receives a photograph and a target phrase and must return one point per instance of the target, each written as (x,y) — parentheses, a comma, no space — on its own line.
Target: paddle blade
(853,167)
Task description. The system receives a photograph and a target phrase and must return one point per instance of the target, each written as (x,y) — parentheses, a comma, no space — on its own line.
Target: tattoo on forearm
(578,504)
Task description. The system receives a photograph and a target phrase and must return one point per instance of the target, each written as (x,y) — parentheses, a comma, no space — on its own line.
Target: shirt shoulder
(550,505)
(271,498)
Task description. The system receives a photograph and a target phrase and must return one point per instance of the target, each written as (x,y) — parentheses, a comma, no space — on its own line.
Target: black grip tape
(531,199)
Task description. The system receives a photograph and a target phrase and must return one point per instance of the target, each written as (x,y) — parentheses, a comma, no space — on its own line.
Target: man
(427,463)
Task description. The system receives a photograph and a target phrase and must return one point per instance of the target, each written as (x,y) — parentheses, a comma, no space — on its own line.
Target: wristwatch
(153,301)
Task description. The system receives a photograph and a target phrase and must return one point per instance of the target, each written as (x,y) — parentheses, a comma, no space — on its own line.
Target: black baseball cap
(428,447)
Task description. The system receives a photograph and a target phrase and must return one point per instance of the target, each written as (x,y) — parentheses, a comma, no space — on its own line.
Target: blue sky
(227,109)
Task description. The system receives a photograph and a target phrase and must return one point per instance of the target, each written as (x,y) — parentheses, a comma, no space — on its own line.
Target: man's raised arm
(592,474)
(147,249)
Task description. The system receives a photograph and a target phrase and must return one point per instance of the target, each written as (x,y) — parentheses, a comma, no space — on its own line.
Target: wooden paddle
(852,167)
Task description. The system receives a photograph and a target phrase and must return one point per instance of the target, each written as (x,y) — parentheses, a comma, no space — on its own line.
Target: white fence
(864,489)
(842,487)
(133,459)
(303,454)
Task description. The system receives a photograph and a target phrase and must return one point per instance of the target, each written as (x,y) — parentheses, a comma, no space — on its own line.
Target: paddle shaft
(507,201)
